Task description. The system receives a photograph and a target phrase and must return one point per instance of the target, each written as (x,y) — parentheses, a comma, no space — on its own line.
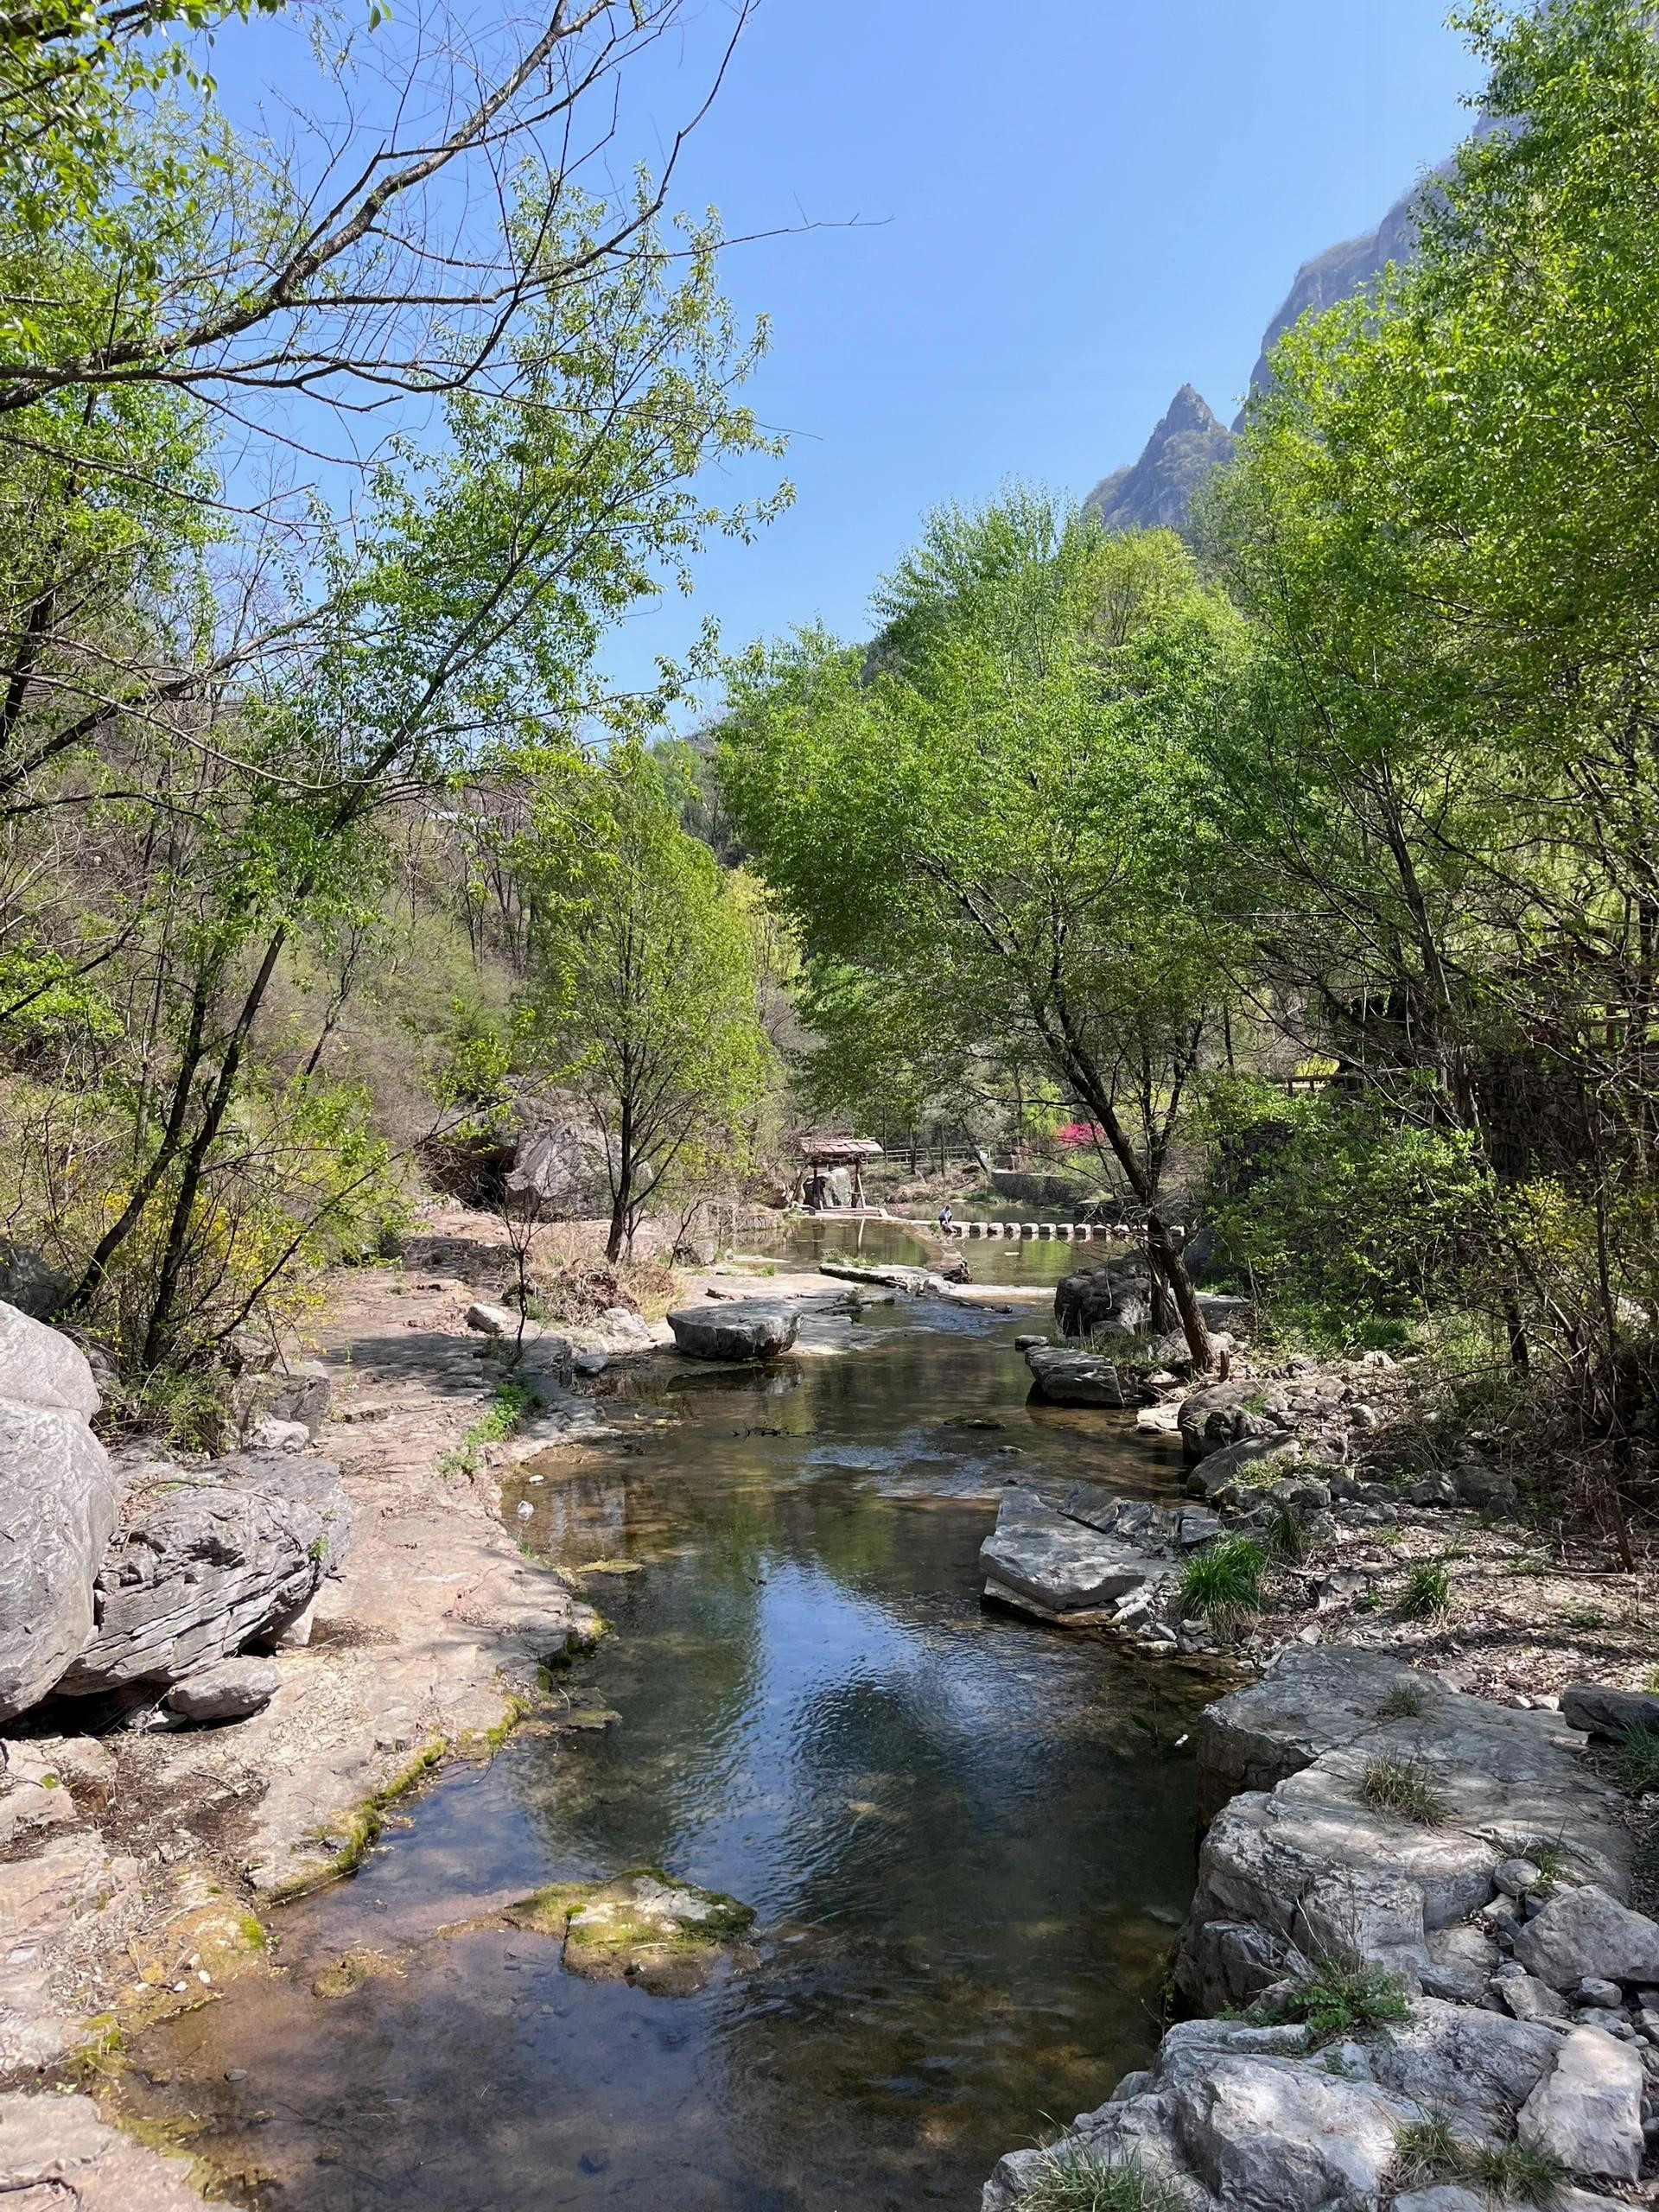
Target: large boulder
(563,1164)
(1585,1931)
(1047,1561)
(234,1552)
(1109,1301)
(741,1329)
(59,1497)
(39,1366)
(1600,1710)
(1321,1862)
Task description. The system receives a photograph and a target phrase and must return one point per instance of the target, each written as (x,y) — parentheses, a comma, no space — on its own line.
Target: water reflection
(965,1837)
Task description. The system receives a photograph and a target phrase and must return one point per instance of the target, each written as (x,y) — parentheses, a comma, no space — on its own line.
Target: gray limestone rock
(1041,1559)
(491,1320)
(1485,1487)
(234,1552)
(1587,2112)
(1238,1468)
(1525,1997)
(1080,1378)
(742,1329)
(59,1497)
(1318,1862)
(1211,1419)
(1306,1703)
(1585,1931)
(41,1367)
(230,1691)
(1461,1961)
(1602,1711)
(54,2150)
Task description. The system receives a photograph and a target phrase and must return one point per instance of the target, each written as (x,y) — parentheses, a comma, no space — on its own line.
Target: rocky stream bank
(224,1669)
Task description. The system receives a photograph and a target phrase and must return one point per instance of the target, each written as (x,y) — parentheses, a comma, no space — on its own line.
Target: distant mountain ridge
(1190,443)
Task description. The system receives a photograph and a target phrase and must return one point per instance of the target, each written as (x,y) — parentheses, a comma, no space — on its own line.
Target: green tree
(987,827)
(1441,778)
(642,1001)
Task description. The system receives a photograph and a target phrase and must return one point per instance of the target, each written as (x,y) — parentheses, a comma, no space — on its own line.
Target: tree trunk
(622,1188)
(1074,1060)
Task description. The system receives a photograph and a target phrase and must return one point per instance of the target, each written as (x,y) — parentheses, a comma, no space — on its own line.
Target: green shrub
(1223,1585)
(1410,1200)
(1336,2000)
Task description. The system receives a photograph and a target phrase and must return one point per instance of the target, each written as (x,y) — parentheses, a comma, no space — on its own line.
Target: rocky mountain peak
(1154,494)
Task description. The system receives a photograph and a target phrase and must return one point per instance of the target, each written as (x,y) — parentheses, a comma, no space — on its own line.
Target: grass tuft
(1405,1702)
(509,1403)
(1403,1786)
(1223,1583)
(1426,2152)
(1073,2178)
(1286,1538)
(1635,1761)
(1427,1593)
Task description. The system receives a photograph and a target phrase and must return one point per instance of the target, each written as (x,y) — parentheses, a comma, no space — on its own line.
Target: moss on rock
(641,1926)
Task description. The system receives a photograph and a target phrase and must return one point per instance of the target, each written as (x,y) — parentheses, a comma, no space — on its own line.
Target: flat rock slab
(1309,1701)
(742,1329)
(54,2150)
(1082,1378)
(1039,1558)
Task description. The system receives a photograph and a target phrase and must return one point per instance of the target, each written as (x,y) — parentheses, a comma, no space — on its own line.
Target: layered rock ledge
(1413,1905)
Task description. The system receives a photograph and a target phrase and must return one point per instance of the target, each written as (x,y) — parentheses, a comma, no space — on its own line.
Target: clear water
(966,1838)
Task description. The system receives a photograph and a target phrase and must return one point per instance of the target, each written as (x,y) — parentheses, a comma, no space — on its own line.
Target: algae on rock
(641,1926)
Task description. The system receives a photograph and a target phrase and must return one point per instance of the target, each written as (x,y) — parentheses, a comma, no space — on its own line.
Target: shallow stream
(967,1837)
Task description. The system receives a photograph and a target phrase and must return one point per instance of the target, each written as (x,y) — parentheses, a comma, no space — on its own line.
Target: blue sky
(1065,210)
